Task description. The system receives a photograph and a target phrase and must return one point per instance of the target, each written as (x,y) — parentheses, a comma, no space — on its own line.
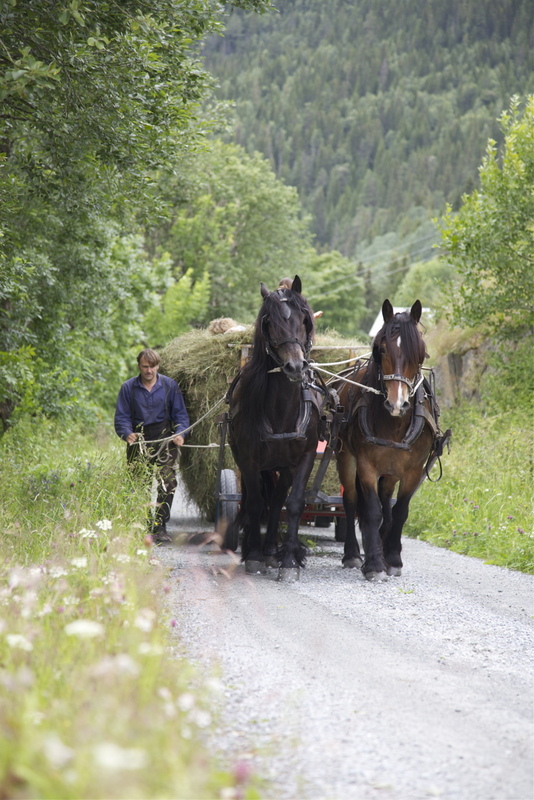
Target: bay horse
(390,437)
(273,430)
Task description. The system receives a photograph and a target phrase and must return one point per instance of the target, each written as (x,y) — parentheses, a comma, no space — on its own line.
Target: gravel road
(336,688)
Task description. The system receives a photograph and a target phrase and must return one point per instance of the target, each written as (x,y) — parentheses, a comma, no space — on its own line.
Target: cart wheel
(323,522)
(341,529)
(227,510)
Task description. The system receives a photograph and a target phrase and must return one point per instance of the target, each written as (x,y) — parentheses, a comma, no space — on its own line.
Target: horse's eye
(382,350)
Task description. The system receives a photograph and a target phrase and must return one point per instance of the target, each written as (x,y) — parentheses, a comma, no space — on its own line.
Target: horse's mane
(255,374)
(413,346)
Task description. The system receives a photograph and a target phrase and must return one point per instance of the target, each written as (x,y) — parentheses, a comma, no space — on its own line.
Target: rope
(347,380)
(345,361)
(142,441)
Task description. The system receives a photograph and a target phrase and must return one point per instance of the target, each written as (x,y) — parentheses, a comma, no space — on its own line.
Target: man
(152,405)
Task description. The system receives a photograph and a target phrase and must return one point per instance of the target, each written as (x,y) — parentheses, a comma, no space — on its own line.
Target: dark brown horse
(273,430)
(391,438)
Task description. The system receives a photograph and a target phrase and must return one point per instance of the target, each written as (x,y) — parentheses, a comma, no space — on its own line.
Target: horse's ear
(297,284)
(387,310)
(416,311)
(264,290)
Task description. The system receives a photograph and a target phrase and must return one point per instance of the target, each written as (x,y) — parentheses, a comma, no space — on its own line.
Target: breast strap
(420,415)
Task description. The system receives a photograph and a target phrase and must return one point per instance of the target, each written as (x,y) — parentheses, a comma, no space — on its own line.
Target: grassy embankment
(95,701)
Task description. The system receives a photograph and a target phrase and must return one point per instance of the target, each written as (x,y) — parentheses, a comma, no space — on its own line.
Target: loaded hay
(204,364)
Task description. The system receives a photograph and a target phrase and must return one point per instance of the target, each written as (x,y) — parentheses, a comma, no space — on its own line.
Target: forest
(158,163)
(378,113)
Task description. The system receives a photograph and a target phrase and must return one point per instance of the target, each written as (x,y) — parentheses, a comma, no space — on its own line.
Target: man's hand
(178,440)
(132,437)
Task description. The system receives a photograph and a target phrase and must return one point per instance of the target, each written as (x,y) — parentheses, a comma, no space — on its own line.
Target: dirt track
(335,688)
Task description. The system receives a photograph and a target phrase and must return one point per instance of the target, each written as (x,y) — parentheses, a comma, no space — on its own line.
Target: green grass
(95,700)
(482,506)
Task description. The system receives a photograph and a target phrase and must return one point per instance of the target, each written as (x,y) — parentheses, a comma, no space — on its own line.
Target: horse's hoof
(375,577)
(353,563)
(394,572)
(255,567)
(271,561)
(289,574)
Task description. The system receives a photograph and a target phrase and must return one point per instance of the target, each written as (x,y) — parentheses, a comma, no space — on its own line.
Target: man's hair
(149,355)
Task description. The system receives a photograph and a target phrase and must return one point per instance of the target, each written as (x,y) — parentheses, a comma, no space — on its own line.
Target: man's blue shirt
(163,403)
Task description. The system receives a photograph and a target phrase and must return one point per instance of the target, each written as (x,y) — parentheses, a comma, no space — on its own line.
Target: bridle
(272,345)
(412,384)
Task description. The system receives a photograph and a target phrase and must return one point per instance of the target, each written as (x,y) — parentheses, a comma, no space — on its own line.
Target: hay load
(204,362)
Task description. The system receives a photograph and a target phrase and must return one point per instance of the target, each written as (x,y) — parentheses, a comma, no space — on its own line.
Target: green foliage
(182,304)
(335,288)
(241,225)
(425,280)
(481,506)
(97,701)
(491,240)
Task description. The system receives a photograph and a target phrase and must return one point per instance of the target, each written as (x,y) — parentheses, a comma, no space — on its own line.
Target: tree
(241,225)
(490,241)
(94,97)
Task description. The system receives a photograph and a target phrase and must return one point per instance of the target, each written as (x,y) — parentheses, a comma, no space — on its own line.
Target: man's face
(149,372)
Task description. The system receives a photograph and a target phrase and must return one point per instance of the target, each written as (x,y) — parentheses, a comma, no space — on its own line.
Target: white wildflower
(104,524)
(88,534)
(18,641)
(121,664)
(57,572)
(145,620)
(84,628)
(111,756)
(186,701)
(200,718)
(80,561)
(56,753)
(141,552)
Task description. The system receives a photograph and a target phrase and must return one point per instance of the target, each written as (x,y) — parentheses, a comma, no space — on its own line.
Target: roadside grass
(483,505)
(95,700)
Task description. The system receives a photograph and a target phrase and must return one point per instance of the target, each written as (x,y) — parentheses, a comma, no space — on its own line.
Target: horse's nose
(293,370)
(397,409)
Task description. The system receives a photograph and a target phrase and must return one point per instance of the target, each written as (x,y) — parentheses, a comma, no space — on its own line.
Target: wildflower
(200,718)
(509,517)
(111,756)
(57,572)
(145,620)
(104,524)
(173,623)
(84,628)
(79,562)
(121,664)
(18,641)
(186,701)
(87,534)
(141,552)
(56,753)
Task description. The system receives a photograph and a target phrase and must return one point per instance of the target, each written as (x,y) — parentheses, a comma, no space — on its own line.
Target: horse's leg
(277,499)
(392,543)
(370,518)
(292,552)
(347,475)
(251,548)
(386,487)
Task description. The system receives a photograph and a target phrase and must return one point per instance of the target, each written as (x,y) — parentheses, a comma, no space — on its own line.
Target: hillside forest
(158,163)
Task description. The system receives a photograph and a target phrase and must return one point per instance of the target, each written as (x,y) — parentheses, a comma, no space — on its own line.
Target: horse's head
(285,328)
(399,352)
